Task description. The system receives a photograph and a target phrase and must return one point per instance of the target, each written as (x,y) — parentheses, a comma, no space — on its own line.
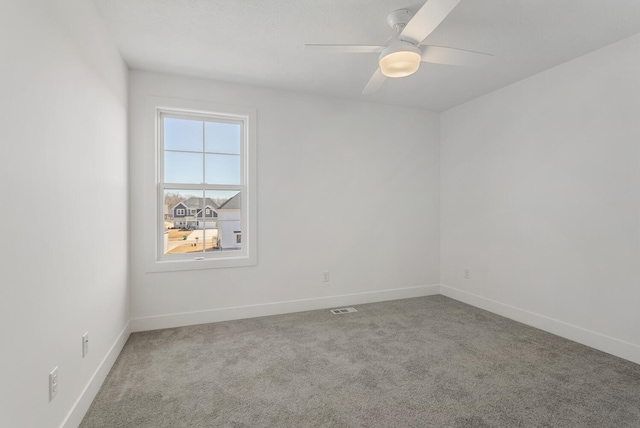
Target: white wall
(63,131)
(337,180)
(540,200)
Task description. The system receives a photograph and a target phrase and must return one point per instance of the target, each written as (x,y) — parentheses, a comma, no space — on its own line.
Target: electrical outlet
(85,344)
(467,273)
(325,276)
(53,383)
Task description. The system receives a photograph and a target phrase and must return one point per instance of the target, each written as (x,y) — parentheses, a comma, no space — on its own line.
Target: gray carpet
(424,362)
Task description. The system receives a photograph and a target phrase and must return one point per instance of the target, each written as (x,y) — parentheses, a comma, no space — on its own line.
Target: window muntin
(203,166)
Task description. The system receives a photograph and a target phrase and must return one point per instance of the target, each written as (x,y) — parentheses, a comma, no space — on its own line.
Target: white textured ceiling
(261,42)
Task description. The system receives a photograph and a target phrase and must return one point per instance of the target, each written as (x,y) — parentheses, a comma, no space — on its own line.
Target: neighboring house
(191,214)
(229,224)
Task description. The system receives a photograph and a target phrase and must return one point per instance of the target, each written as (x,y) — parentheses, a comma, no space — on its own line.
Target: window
(205,163)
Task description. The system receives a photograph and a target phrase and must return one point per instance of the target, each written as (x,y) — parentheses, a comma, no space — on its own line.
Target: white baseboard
(80,407)
(611,345)
(252,311)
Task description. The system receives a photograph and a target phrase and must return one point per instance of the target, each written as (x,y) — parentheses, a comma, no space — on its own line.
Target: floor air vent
(343,311)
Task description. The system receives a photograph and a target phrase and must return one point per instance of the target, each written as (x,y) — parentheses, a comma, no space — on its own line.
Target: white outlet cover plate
(53,383)
(85,344)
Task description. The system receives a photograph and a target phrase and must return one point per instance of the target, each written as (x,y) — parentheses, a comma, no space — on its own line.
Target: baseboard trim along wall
(610,345)
(276,308)
(80,407)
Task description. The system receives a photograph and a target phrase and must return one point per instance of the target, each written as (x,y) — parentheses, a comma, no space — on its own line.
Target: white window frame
(156,260)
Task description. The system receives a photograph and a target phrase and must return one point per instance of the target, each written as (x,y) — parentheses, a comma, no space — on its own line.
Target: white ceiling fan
(402,54)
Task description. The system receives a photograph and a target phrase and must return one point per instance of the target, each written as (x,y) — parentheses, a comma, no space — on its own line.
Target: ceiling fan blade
(345,48)
(375,82)
(430,15)
(452,56)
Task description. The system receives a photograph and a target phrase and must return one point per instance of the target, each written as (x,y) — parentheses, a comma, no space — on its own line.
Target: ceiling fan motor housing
(399,18)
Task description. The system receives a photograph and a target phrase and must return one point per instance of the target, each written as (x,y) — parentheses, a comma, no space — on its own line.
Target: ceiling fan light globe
(400,60)
(400,64)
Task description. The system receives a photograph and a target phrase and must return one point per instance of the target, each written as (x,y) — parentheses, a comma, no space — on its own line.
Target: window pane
(222,137)
(180,227)
(183,134)
(222,169)
(229,229)
(182,167)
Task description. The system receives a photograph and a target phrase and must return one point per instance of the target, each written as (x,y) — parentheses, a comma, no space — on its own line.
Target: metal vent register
(343,311)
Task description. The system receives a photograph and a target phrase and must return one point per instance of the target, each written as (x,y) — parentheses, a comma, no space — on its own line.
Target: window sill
(198,264)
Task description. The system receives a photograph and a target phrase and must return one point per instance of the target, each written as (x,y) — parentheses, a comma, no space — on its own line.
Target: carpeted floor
(424,362)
